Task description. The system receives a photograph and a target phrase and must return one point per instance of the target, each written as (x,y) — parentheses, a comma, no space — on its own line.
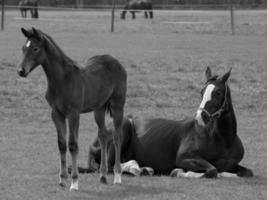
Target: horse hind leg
(74,119)
(133,14)
(123,14)
(60,124)
(117,108)
(103,141)
(151,14)
(146,15)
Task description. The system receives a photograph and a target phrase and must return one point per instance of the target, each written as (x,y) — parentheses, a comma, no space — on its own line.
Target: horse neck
(56,65)
(225,125)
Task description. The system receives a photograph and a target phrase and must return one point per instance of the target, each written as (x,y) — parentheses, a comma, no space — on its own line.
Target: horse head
(33,51)
(215,98)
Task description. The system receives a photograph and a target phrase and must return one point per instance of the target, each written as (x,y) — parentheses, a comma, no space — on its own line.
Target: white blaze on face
(28,44)
(206,98)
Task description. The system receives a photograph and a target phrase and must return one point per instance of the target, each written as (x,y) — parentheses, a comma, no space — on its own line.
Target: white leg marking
(190,174)
(227,175)
(117,178)
(74,185)
(206,98)
(131,167)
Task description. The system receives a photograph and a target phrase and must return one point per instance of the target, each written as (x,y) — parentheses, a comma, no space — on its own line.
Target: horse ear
(225,77)
(37,34)
(208,73)
(25,32)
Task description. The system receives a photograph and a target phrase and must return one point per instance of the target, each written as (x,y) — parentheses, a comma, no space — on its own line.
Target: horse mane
(67,59)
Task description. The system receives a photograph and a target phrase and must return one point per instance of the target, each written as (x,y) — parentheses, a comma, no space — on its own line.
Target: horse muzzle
(22,72)
(202,118)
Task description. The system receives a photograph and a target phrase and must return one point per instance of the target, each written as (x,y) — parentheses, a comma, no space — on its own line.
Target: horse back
(139,5)
(105,67)
(157,143)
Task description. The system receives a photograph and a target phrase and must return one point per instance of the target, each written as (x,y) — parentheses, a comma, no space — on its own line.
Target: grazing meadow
(165,59)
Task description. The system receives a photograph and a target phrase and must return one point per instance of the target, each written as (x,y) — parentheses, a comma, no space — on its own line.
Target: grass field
(165,60)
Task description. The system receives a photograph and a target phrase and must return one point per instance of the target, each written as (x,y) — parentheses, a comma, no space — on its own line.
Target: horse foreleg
(151,14)
(198,165)
(36,13)
(242,171)
(117,133)
(74,119)
(32,12)
(133,14)
(60,124)
(123,14)
(103,141)
(146,15)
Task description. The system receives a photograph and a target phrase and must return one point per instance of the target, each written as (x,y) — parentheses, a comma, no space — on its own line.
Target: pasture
(165,60)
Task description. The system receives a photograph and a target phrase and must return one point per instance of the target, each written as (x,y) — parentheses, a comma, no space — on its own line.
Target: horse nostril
(205,117)
(21,72)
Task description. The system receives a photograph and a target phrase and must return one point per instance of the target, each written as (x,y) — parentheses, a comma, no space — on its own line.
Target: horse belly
(161,161)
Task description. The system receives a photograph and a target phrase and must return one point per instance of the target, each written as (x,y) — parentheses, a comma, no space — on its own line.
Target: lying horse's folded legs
(74,119)
(60,123)
(198,165)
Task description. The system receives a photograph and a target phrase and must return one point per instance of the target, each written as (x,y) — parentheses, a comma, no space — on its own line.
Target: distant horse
(205,145)
(31,5)
(99,87)
(138,5)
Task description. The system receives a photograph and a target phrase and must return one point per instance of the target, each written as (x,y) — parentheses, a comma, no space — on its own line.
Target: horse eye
(35,49)
(218,93)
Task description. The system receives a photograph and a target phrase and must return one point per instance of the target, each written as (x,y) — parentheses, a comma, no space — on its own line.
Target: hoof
(117,178)
(74,186)
(245,173)
(103,180)
(213,173)
(176,172)
(62,185)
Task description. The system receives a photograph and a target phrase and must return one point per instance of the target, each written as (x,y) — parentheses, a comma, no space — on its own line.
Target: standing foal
(72,90)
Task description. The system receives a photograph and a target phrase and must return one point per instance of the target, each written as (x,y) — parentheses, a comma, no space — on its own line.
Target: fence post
(112,15)
(232,17)
(3,15)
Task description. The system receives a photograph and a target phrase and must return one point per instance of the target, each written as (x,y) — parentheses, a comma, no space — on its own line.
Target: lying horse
(207,143)
(138,5)
(72,90)
(31,5)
